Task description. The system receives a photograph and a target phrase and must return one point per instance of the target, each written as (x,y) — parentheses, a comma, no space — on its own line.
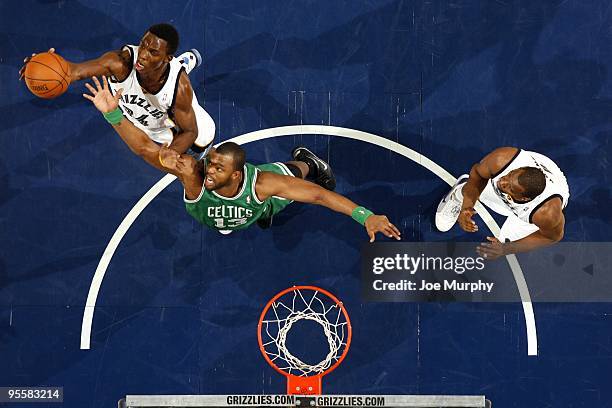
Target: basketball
(47,75)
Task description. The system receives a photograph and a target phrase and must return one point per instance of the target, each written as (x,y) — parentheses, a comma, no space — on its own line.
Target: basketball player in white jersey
(527,187)
(157,94)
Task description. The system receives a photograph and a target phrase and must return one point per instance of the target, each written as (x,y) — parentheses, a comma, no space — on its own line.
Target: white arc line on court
(88,313)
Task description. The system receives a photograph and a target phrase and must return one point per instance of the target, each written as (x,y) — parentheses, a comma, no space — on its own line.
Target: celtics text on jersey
(242,210)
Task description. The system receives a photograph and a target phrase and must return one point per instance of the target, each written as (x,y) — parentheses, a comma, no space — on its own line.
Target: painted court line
(88,313)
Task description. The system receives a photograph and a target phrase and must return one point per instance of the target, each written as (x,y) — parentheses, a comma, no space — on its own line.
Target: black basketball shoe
(318,170)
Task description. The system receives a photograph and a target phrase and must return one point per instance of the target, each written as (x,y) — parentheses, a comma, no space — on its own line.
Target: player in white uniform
(527,187)
(152,112)
(157,94)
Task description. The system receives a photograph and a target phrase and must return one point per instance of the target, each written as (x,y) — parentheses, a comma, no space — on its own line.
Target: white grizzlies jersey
(149,112)
(556,184)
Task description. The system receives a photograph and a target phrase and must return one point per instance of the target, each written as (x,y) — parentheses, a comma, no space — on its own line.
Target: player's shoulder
(264,184)
(548,212)
(184,82)
(125,55)
(500,157)
(265,176)
(122,55)
(268,181)
(117,59)
(184,91)
(549,217)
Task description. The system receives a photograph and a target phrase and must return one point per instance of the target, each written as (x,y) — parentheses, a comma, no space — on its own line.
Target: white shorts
(206,128)
(514,228)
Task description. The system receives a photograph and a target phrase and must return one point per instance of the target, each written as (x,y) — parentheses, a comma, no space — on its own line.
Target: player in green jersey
(242,207)
(226,193)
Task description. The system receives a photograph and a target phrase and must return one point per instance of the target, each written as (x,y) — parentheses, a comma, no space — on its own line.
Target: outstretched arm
(110,63)
(136,139)
(292,188)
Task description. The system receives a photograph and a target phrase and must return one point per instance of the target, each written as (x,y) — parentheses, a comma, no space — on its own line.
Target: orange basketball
(47,75)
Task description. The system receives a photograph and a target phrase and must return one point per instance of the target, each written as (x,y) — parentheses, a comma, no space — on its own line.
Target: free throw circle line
(88,313)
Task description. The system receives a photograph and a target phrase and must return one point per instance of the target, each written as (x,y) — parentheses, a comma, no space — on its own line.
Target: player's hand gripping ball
(47,75)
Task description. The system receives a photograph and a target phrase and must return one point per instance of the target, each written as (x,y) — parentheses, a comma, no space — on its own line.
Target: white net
(303,304)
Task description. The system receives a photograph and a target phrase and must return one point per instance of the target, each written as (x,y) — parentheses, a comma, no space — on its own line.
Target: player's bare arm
(112,63)
(551,223)
(480,174)
(292,188)
(184,116)
(191,174)
(136,139)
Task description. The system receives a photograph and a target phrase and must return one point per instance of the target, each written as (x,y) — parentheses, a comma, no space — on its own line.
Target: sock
(295,170)
(197,148)
(313,170)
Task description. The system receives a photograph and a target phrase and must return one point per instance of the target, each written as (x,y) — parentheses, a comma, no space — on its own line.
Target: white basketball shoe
(450,206)
(190,59)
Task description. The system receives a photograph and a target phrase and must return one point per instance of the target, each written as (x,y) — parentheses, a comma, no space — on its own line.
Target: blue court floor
(177,310)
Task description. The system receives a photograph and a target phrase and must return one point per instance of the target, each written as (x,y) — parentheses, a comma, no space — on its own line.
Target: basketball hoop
(278,317)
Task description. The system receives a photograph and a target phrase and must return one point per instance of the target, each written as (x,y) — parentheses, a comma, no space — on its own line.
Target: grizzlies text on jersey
(151,112)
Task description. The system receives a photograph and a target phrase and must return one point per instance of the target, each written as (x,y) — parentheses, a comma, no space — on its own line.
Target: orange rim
(293,289)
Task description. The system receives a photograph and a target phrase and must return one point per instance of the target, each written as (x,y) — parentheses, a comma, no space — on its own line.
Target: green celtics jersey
(240,211)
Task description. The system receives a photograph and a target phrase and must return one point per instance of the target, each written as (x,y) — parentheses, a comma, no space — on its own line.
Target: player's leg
(298,169)
(206,131)
(318,170)
(190,60)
